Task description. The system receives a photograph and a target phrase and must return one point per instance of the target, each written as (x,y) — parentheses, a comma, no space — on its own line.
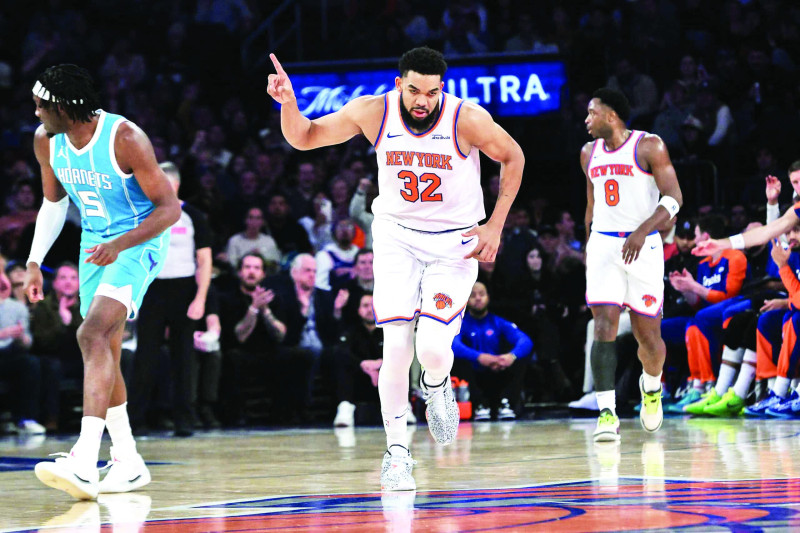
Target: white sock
(697,384)
(607,399)
(88,446)
(746,374)
(794,383)
(731,361)
(651,383)
(119,427)
(396,429)
(781,387)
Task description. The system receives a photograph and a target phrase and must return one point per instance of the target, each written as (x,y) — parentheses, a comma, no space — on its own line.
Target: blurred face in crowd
(739,217)
(566,225)
(278,208)
(478,299)
(17,276)
(684,242)
(66,282)
(304,272)
(534,259)
(794,179)
(339,192)
(306,177)
(793,237)
(419,99)
(252,272)
(365,309)
(248,183)
(549,242)
(363,267)
(688,67)
(344,233)
(254,220)
(25,198)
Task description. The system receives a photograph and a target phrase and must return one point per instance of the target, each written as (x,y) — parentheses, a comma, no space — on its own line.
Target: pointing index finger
(277,64)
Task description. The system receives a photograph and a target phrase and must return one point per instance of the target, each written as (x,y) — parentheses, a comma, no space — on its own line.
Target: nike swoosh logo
(653,247)
(468,240)
(390,136)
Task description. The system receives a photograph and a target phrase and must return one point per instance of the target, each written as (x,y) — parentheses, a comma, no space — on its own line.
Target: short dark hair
(362,251)
(72,89)
(616,100)
(67,264)
(240,262)
(422,60)
(794,167)
(713,224)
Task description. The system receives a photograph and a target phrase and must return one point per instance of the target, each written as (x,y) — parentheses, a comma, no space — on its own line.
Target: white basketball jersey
(625,195)
(424,181)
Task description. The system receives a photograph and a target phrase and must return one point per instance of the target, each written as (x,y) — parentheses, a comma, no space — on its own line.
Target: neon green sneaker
(607,429)
(698,407)
(651,415)
(729,405)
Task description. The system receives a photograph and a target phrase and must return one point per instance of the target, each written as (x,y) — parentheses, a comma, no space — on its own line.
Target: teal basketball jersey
(111,201)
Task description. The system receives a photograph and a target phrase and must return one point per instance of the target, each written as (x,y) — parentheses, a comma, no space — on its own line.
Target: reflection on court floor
(694,475)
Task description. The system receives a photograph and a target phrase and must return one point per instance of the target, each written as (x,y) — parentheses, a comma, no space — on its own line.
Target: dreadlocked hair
(72,89)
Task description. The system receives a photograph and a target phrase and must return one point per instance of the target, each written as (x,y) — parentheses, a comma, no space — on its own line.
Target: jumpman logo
(61,152)
(153,262)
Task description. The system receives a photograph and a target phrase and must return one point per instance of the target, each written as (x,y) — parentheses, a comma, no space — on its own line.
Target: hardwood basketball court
(693,475)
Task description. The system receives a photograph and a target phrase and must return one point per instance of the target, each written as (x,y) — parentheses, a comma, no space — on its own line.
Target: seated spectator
(251,334)
(362,282)
(335,261)
(54,324)
(289,235)
(491,353)
(23,212)
(252,239)
(319,226)
(18,368)
(16,275)
(358,359)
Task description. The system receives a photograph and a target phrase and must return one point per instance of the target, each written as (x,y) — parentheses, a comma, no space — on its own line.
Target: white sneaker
(482,414)
(125,473)
(651,414)
(30,427)
(78,479)
(588,401)
(506,412)
(410,418)
(345,415)
(607,429)
(396,470)
(441,410)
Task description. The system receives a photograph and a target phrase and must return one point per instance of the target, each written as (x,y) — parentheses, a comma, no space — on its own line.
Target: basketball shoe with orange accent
(441,410)
(396,470)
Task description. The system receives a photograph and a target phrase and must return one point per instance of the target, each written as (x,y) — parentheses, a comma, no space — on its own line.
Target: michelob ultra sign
(504,89)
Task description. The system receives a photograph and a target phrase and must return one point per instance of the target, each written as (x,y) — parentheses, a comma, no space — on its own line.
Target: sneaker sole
(131,486)
(607,437)
(68,485)
(647,429)
(399,488)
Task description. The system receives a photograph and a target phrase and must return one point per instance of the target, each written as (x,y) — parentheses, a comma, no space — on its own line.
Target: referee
(175,300)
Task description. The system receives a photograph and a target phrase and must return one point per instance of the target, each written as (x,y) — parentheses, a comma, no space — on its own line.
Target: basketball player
(427,242)
(625,172)
(107,167)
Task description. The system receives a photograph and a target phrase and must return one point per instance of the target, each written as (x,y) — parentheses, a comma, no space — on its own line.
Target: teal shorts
(126,279)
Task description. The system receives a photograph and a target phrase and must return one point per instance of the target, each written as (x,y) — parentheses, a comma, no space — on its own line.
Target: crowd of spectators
(716,79)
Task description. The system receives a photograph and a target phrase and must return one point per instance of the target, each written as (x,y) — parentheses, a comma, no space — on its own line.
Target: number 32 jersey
(625,195)
(424,181)
(111,201)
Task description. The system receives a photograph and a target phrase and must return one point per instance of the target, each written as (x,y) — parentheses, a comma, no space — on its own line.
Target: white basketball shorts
(638,285)
(420,274)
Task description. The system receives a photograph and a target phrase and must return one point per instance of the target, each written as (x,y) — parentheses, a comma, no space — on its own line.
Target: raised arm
(335,128)
(754,237)
(476,128)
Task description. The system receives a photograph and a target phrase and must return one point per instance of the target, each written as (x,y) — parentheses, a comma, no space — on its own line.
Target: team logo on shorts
(442,300)
(649,300)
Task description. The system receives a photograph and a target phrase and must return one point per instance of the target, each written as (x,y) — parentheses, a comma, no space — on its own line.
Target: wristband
(670,204)
(737,241)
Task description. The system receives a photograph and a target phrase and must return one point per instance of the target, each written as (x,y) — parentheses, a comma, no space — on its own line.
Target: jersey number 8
(612,192)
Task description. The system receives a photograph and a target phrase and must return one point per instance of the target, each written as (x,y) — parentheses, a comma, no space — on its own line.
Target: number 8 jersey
(424,181)
(625,195)
(111,201)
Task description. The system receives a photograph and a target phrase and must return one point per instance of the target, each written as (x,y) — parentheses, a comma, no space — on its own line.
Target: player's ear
(398,84)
